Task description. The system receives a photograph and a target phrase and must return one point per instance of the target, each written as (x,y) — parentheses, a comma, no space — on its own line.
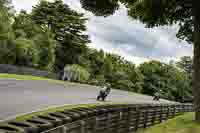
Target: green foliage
(24,26)
(46,47)
(76,73)
(159,76)
(96,62)
(124,85)
(137,78)
(42,39)
(26,52)
(112,69)
(7,45)
(68,27)
(7,51)
(185,63)
(99,7)
(99,80)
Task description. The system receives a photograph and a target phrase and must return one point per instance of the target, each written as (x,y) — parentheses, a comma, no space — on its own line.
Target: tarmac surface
(24,96)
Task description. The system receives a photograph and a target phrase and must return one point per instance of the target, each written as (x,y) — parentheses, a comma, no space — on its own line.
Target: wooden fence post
(83,129)
(183,108)
(167,114)
(145,116)
(119,119)
(153,115)
(174,111)
(124,120)
(95,125)
(137,117)
(129,119)
(102,121)
(67,130)
(63,129)
(160,114)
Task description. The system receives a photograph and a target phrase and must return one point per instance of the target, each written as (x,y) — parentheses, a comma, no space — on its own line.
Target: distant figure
(103,93)
(156,96)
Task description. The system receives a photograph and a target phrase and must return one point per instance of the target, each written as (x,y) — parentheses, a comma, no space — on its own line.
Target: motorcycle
(156,98)
(103,94)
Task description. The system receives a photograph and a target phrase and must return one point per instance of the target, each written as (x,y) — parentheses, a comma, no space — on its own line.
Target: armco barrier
(117,118)
(12,69)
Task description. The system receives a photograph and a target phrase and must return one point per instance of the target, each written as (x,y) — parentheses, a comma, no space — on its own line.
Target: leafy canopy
(67,25)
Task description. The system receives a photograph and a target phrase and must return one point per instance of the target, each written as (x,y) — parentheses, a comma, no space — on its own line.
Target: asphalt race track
(18,96)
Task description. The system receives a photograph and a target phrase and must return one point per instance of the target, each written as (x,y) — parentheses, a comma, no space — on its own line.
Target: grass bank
(21,77)
(29,77)
(180,124)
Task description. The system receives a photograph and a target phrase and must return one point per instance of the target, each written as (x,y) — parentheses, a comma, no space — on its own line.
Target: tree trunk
(196,65)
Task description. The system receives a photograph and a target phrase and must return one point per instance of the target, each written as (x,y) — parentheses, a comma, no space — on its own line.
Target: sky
(124,36)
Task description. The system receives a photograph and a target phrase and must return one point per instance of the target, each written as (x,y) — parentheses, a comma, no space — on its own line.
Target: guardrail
(21,70)
(124,118)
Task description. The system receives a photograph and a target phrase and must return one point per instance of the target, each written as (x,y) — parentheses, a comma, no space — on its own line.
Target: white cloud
(25,4)
(126,37)
(135,40)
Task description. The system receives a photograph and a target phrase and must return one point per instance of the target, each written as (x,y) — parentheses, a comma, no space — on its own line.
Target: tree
(196,60)
(96,59)
(175,84)
(152,77)
(7,44)
(68,27)
(185,63)
(98,7)
(122,74)
(42,40)
(167,12)
(26,53)
(76,73)
(137,78)
(24,26)
(7,51)
(45,45)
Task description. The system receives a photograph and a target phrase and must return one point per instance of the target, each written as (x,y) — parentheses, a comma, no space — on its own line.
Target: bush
(123,85)
(76,73)
(7,45)
(46,49)
(26,52)
(7,52)
(100,80)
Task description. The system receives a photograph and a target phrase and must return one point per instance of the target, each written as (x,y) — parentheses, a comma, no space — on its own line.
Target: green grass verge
(28,77)
(21,77)
(181,124)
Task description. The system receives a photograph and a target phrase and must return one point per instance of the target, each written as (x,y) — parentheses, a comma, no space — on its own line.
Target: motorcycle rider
(105,90)
(157,95)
